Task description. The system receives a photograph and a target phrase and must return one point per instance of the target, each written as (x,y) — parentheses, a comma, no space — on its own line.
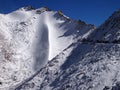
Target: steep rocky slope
(29,38)
(92,63)
(41,49)
(89,64)
(109,31)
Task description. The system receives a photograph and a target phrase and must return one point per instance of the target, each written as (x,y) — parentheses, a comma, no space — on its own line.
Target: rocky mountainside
(41,49)
(109,31)
(29,39)
(90,63)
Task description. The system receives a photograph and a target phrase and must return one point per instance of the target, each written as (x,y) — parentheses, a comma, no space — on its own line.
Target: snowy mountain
(90,63)
(30,38)
(109,31)
(41,49)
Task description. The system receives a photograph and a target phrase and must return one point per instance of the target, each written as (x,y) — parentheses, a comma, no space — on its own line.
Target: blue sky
(90,11)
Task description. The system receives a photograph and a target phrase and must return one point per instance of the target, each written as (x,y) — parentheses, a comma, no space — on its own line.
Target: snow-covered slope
(85,67)
(30,37)
(92,63)
(109,31)
(41,49)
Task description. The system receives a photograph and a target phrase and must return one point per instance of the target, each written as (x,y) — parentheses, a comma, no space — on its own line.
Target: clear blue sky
(90,11)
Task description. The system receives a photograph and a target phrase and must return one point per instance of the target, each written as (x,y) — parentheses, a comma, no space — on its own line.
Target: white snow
(28,40)
(87,65)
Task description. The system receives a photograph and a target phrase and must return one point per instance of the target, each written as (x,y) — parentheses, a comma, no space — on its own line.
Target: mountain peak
(115,14)
(45,8)
(27,8)
(109,31)
(38,10)
(42,9)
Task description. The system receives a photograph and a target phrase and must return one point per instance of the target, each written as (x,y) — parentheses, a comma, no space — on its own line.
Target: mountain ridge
(90,66)
(31,39)
(43,49)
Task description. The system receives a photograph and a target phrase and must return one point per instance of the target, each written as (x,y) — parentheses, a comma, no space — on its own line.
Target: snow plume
(29,38)
(41,46)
